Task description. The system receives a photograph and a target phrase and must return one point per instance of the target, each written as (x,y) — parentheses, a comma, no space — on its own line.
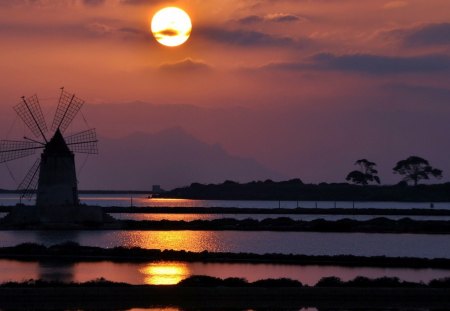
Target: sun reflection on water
(194,241)
(164,273)
(167,202)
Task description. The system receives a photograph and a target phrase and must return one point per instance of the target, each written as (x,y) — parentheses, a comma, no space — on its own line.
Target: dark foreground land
(72,252)
(207,297)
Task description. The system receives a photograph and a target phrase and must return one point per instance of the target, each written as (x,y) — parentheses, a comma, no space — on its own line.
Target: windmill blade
(29,110)
(67,109)
(13,149)
(29,184)
(83,142)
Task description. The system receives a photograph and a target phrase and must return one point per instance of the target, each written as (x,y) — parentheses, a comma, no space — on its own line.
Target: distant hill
(169,158)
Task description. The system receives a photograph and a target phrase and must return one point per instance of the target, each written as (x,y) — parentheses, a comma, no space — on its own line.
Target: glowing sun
(171,26)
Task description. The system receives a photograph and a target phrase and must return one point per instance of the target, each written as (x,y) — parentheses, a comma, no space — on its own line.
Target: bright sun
(171,26)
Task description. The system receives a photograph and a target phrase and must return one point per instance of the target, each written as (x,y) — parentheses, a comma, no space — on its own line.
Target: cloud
(276,17)
(244,37)
(73,31)
(50,3)
(142,2)
(420,93)
(168,32)
(368,63)
(187,65)
(395,5)
(93,2)
(282,18)
(250,19)
(424,35)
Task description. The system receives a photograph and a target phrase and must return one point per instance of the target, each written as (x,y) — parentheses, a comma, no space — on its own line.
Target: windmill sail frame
(67,109)
(29,184)
(30,112)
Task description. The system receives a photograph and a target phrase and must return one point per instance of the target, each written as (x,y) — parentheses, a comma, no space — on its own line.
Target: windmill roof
(57,145)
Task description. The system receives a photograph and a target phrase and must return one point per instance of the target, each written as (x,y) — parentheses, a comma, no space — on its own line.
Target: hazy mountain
(169,158)
(315,141)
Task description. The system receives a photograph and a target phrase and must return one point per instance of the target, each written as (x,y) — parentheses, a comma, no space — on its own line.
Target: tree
(365,175)
(416,168)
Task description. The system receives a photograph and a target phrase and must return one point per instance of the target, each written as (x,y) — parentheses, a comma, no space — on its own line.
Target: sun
(171,26)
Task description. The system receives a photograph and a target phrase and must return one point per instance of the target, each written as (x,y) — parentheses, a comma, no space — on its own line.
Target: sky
(303,87)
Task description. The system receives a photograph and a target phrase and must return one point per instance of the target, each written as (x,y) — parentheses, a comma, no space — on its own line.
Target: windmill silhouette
(52,176)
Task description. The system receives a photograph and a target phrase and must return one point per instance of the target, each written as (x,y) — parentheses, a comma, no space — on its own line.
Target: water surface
(165,273)
(260,242)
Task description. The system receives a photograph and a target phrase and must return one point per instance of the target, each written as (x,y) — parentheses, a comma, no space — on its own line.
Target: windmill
(52,176)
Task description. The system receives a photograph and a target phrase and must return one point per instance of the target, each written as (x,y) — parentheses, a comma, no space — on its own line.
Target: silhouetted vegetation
(361,281)
(375,225)
(415,169)
(72,252)
(440,283)
(210,281)
(295,189)
(100,282)
(365,175)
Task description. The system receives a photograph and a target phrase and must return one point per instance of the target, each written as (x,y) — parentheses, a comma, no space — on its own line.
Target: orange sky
(279,58)
(68,41)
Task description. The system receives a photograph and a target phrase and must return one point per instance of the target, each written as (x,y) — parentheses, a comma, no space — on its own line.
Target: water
(166,273)
(143,200)
(191,217)
(308,243)
(238,309)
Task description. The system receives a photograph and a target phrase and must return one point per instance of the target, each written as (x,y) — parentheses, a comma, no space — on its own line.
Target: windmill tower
(53,175)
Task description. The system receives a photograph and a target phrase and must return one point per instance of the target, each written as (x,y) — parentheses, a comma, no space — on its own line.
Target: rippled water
(310,243)
(159,273)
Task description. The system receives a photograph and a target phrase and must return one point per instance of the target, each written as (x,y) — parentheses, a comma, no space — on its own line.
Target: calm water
(142,200)
(177,309)
(310,243)
(173,272)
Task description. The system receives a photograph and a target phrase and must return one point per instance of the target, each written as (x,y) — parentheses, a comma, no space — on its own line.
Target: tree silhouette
(416,168)
(365,175)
